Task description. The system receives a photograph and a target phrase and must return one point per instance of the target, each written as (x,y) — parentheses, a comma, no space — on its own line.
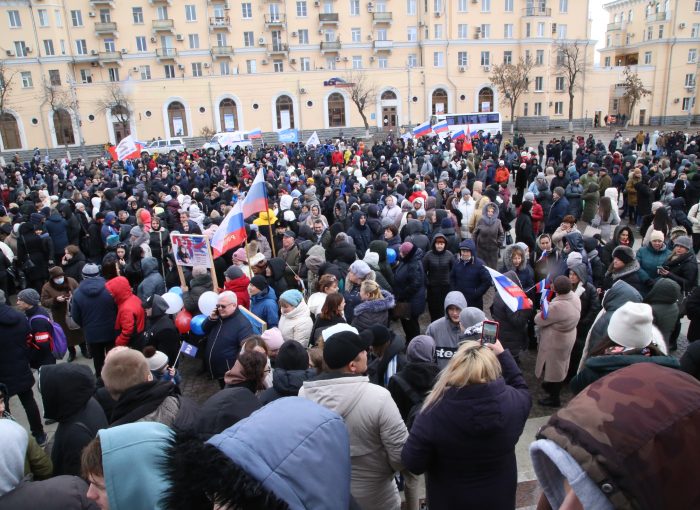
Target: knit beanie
(29,296)
(631,326)
(421,349)
(471,316)
(240,255)
(529,196)
(655,206)
(292,356)
(624,253)
(562,285)
(273,338)
(292,297)
(574,259)
(360,268)
(91,270)
(684,241)
(380,334)
(341,348)
(55,272)
(559,191)
(259,282)
(405,248)
(656,235)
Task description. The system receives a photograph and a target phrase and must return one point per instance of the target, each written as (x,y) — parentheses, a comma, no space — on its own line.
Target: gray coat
(488,236)
(153,282)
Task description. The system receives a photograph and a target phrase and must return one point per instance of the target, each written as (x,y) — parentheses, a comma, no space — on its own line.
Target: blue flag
(188,349)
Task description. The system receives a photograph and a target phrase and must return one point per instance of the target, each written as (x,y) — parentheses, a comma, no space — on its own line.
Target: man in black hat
(387,354)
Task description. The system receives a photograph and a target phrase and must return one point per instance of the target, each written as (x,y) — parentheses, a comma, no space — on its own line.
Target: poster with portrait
(191,250)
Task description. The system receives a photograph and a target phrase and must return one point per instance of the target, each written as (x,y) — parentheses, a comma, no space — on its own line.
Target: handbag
(401,310)
(72,325)
(27,265)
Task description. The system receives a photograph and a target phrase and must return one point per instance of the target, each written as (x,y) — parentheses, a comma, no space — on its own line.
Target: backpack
(58,341)
(416,399)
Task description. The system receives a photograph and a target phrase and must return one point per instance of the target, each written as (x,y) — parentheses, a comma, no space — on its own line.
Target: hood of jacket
(239,284)
(92,286)
(120,289)
(15,440)
(616,235)
(65,389)
(413,227)
(581,270)
(664,291)
(160,306)
(133,460)
(9,317)
(468,244)
(620,293)
(454,298)
(379,247)
(276,265)
(149,265)
(200,281)
(575,240)
(224,409)
(264,295)
(421,375)
(508,261)
(356,220)
(288,382)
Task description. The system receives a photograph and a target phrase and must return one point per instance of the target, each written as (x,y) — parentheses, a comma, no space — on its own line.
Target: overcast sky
(600,22)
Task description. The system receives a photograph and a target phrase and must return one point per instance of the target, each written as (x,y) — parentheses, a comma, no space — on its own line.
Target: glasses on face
(221,307)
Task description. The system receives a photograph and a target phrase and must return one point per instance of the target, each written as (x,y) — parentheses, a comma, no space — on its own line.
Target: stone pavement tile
(522,454)
(527,495)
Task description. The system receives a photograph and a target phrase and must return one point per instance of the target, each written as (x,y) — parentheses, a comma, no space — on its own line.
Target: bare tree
(57,99)
(116,103)
(512,80)
(571,64)
(363,93)
(7,76)
(634,91)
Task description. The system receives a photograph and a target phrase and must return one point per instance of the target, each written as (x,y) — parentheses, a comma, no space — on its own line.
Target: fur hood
(386,302)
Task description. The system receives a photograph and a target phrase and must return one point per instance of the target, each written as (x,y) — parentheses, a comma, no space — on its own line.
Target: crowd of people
(360,246)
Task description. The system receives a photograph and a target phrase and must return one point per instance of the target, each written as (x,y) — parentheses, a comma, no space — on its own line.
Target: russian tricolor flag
(255,200)
(543,284)
(231,232)
(422,129)
(544,303)
(513,296)
(441,127)
(458,134)
(255,133)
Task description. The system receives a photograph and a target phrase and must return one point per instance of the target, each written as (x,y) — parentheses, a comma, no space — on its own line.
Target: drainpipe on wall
(41,66)
(670,62)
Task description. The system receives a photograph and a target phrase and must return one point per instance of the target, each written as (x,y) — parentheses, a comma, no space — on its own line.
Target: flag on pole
(188,349)
(127,149)
(542,285)
(458,134)
(255,133)
(255,200)
(513,296)
(544,303)
(441,127)
(543,256)
(422,129)
(231,232)
(313,140)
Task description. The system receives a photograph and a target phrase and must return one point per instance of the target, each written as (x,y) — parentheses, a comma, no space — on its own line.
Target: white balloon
(174,301)
(207,302)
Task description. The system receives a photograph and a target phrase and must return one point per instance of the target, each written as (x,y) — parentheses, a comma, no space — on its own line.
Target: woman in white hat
(632,338)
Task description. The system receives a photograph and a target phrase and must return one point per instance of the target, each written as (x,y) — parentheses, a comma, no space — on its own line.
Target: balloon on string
(390,255)
(176,290)
(196,324)
(174,301)
(182,321)
(207,302)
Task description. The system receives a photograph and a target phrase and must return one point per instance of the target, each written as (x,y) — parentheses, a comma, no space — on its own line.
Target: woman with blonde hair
(465,435)
(374,307)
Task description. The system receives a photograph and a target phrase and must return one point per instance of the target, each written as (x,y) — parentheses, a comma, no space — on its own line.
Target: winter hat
(574,259)
(624,253)
(292,356)
(371,258)
(36,219)
(471,316)
(156,361)
(631,326)
(380,335)
(446,223)
(466,193)
(655,206)
(341,348)
(240,255)
(360,268)
(559,191)
(29,296)
(273,338)
(387,222)
(405,248)
(256,259)
(91,270)
(656,235)
(337,328)
(292,297)
(55,272)
(529,196)
(421,349)
(562,285)
(233,272)
(259,282)
(684,241)
(290,233)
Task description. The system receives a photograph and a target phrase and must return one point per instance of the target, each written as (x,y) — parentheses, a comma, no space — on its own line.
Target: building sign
(337,82)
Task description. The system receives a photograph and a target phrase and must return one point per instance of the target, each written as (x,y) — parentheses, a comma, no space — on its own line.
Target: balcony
(109,57)
(163,25)
(166,53)
(275,20)
(102,3)
(537,11)
(614,26)
(383,46)
(277,50)
(382,18)
(106,28)
(330,47)
(329,18)
(160,2)
(222,51)
(659,16)
(220,23)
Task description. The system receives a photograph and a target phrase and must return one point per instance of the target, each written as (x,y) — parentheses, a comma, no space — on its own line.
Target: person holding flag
(512,331)
(590,306)
(557,336)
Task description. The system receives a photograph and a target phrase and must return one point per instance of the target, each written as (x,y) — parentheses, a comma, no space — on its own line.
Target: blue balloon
(196,324)
(390,255)
(176,290)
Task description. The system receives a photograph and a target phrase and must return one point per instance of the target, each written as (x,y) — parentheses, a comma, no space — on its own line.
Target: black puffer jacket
(161,332)
(409,282)
(224,409)
(683,270)
(420,376)
(285,383)
(14,361)
(198,286)
(512,325)
(437,265)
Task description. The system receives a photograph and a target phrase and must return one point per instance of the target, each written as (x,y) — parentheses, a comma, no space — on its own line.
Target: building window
(607,62)
(336,110)
(109,45)
(688,103)
(411,7)
(277,66)
(692,55)
(437,30)
(301,9)
(105,16)
(539,57)
(330,63)
(462,58)
(162,12)
(357,62)
(248,39)
(564,6)
(412,60)
(528,32)
(647,57)
(137,15)
(439,101)
(54,77)
(661,31)
(485,31)
(43,17)
(193,40)
(15,21)
(356,35)
(196,69)
(62,42)
(508,6)
(48,47)
(76,18)
(485,5)
(540,29)
(251,66)
(383,62)
(145,72)
(485,58)
(63,125)
(57,17)
(697,5)
(538,109)
(81,46)
(113,73)
(224,68)
(539,81)
(85,76)
(629,15)
(561,31)
(177,119)
(354,7)
(169,71)
(412,34)
(508,57)
(462,5)
(141,43)
(26,79)
(438,59)
(191,13)
(304,36)
(690,80)
(305,63)
(437,5)
(246,10)
(559,108)
(559,84)
(284,108)
(695,31)
(381,34)
(462,31)
(508,31)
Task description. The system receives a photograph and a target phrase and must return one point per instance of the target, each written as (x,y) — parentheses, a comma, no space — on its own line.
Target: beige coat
(58,309)
(478,210)
(557,335)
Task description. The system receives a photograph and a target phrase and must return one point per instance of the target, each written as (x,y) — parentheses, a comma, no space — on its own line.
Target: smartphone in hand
(489,332)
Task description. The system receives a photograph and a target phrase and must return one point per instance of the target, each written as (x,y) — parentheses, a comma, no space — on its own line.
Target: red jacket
(537,216)
(240,287)
(502,174)
(131,319)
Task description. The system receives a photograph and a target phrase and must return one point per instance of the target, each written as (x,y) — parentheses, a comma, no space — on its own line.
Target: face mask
(58,281)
